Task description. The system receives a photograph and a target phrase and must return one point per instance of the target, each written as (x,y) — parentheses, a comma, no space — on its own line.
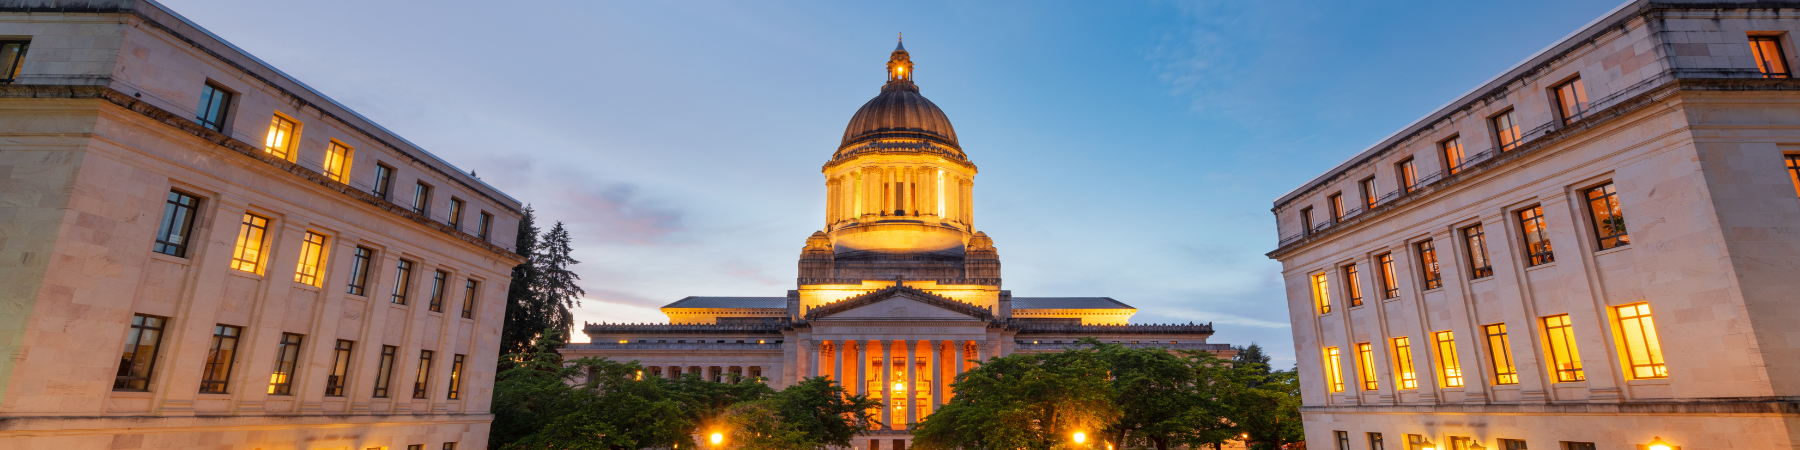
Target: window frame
(403,269)
(422,198)
(1335,202)
(1502,133)
(1560,335)
(339,158)
(422,382)
(1449,367)
(456,368)
(1533,225)
(1480,262)
(439,280)
(1559,94)
(134,337)
(314,246)
(178,247)
(1407,173)
(260,251)
(1371,194)
(290,139)
(1756,53)
(1352,285)
(1452,150)
(457,206)
(10,75)
(287,364)
(1365,366)
(339,377)
(1405,376)
(1642,321)
(1390,279)
(384,372)
(471,290)
(1306,220)
(221,384)
(214,97)
(485,226)
(383,185)
(1334,374)
(1615,217)
(1321,290)
(1500,352)
(1793,167)
(1433,276)
(361,261)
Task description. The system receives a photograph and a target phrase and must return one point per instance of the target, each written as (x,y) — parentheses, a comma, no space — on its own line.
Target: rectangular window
(1537,239)
(1334,379)
(1375,441)
(424,378)
(139,358)
(1415,442)
(215,103)
(470,288)
(1336,202)
(384,371)
(340,369)
(1365,364)
(1448,367)
(1352,285)
(1459,443)
(337,162)
(1500,349)
(1793,166)
(452,446)
(312,259)
(486,224)
(402,281)
(1368,193)
(1409,176)
(1505,130)
(422,198)
(1578,445)
(12,55)
(1512,444)
(1453,155)
(281,382)
(1321,293)
(1428,265)
(439,281)
(248,255)
(1643,352)
(456,368)
(1405,377)
(1306,220)
(280,142)
(1609,224)
(1390,286)
(1343,439)
(1770,59)
(1478,254)
(359,270)
(456,213)
(176,225)
(1564,358)
(215,376)
(1571,100)
(384,181)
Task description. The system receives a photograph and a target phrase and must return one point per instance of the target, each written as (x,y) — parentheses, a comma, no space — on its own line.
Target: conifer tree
(522,325)
(556,289)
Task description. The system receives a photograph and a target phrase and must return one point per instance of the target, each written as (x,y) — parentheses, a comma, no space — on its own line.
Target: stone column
(912,383)
(887,387)
(812,359)
(937,374)
(837,362)
(861,370)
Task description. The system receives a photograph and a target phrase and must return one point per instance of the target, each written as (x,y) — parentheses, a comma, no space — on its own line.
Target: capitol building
(899,274)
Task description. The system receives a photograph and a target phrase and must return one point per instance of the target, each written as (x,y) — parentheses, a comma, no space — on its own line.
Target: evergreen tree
(522,325)
(1253,359)
(556,290)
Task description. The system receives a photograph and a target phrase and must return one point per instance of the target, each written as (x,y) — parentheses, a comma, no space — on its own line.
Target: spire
(900,66)
(900,46)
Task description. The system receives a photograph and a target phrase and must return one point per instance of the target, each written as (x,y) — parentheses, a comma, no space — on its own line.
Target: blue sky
(1127,149)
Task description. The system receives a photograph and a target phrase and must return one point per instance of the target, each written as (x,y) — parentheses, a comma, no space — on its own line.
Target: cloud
(617,213)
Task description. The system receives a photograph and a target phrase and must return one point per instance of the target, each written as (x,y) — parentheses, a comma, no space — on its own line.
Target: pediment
(899,302)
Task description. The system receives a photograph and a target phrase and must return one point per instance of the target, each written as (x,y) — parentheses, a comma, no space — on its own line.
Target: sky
(1131,150)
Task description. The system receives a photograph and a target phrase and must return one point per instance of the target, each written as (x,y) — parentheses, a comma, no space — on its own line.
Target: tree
(1023,401)
(522,325)
(542,290)
(1168,398)
(813,414)
(556,290)
(1269,414)
(1253,359)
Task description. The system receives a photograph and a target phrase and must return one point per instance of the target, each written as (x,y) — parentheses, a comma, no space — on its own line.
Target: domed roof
(899,112)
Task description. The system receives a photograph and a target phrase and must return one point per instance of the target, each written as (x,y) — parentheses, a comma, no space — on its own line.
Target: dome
(899,112)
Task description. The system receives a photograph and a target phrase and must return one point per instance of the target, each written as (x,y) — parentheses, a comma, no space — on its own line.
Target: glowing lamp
(1425,444)
(899,387)
(1656,443)
(621,341)
(717,438)
(1080,437)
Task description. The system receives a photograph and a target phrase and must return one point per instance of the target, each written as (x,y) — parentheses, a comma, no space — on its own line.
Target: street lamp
(717,438)
(1656,443)
(1425,444)
(1080,437)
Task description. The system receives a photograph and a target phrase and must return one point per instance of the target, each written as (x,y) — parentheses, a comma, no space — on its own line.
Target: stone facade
(1580,327)
(100,127)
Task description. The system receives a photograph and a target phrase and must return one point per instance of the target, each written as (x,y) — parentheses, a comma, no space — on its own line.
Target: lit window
(1406,377)
(312,257)
(1478,254)
(1321,293)
(1336,202)
(1352,285)
(215,103)
(424,379)
(1500,348)
(384,181)
(1334,380)
(1565,359)
(248,255)
(1429,266)
(1537,239)
(439,281)
(176,225)
(340,369)
(1368,192)
(1448,367)
(456,213)
(141,344)
(216,374)
(1770,59)
(456,368)
(1793,166)
(384,371)
(422,198)
(1409,176)
(12,55)
(1609,224)
(1643,352)
(280,141)
(337,162)
(1505,130)
(281,382)
(1453,155)
(359,270)
(1571,100)
(1365,363)
(402,281)
(469,291)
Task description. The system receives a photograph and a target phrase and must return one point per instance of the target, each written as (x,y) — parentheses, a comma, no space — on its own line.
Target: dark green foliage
(522,324)
(814,414)
(1023,401)
(542,290)
(1270,413)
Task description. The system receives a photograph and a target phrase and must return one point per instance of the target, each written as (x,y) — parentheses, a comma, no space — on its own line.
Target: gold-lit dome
(899,117)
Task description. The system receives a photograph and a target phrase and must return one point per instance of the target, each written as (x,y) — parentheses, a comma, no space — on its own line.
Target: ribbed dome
(900,112)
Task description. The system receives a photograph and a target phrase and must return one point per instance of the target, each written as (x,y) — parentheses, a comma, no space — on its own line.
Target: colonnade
(913,191)
(715,373)
(925,378)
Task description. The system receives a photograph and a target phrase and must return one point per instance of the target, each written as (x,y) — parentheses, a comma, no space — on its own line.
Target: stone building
(898,274)
(203,252)
(1596,249)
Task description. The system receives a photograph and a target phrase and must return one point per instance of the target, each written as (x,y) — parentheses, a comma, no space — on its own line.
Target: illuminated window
(1409,176)
(1352,285)
(1793,166)
(1365,364)
(1770,59)
(402,281)
(1448,367)
(1453,155)
(456,368)
(1537,239)
(1321,293)
(12,55)
(1336,202)
(1406,378)
(469,290)
(1500,348)
(1459,443)
(177,224)
(340,369)
(359,270)
(486,224)
(1334,379)
(216,374)
(1571,100)
(280,142)
(312,257)
(1514,444)
(424,379)
(337,162)
(281,382)
(1415,442)
(384,371)
(1478,254)
(1609,224)
(142,342)
(248,255)
(439,281)
(1643,352)
(384,181)
(1390,287)
(1429,266)
(456,213)
(422,198)
(1560,340)
(1368,192)
(215,103)
(1505,130)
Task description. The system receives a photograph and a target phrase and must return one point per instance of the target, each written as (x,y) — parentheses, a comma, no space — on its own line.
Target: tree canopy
(543,287)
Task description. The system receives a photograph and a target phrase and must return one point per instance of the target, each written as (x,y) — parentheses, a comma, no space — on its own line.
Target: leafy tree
(523,325)
(1023,401)
(1269,414)
(589,404)
(1253,359)
(813,414)
(1168,398)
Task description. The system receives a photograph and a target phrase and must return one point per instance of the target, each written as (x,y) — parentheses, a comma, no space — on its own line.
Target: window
(1571,100)
(1409,177)
(384,371)
(402,281)
(422,198)
(456,367)
(1578,445)
(1365,365)
(215,103)
(1368,192)
(456,213)
(337,162)
(416,447)
(1769,57)
(470,288)
(340,369)
(486,224)
(1537,239)
(1415,442)
(384,181)
(1478,254)
(1505,130)
(1453,155)
(1793,166)
(1390,287)
(282,381)
(359,270)
(1406,378)
(216,374)
(1500,349)
(1375,441)
(449,446)
(438,283)
(280,142)
(138,360)
(1306,222)
(1321,293)
(1609,224)
(1336,202)
(1512,444)
(248,255)
(1565,360)
(177,224)
(1428,264)
(1459,443)
(1334,380)
(1352,285)
(424,378)
(312,257)
(1448,367)
(12,55)
(1643,352)
(1343,439)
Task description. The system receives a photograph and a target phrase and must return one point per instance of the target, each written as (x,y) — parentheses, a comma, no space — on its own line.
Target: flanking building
(200,251)
(1599,248)
(898,293)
